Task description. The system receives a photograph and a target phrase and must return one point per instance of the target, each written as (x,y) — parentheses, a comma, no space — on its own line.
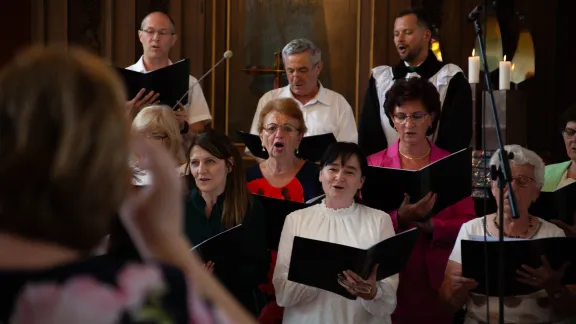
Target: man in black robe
(412,36)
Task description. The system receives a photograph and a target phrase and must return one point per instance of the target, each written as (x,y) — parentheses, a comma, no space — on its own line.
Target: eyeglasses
(161,32)
(568,132)
(286,128)
(159,138)
(416,117)
(523,181)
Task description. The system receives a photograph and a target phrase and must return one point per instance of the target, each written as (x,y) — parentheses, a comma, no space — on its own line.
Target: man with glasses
(157,35)
(412,36)
(324,110)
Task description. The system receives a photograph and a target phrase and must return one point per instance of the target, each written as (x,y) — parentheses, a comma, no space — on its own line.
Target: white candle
(473,68)
(504,79)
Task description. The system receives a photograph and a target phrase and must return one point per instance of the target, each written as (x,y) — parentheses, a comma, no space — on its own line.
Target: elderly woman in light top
(527,170)
(158,124)
(338,219)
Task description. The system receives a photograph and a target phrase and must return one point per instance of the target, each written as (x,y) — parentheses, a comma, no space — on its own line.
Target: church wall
(355,35)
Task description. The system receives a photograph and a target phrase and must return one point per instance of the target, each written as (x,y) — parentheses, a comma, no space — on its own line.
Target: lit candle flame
(473,52)
(504,58)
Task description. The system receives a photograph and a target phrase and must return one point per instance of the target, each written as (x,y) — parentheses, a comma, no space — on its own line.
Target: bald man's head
(157,35)
(158,15)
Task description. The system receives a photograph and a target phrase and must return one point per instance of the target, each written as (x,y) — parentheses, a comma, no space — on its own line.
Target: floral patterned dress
(101,290)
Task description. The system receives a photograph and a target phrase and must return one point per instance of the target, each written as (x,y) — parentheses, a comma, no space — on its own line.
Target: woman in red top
(413,107)
(283,175)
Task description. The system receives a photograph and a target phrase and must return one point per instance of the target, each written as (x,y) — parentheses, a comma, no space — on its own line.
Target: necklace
(415,158)
(294,163)
(530,225)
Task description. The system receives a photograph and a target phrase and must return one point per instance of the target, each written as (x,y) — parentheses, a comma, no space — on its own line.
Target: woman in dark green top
(219,200)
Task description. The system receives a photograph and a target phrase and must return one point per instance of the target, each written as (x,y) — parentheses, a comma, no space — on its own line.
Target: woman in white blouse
(338,219)
(552,303)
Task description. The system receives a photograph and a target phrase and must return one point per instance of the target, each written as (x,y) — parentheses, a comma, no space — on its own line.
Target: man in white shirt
(157,35)
(325,111)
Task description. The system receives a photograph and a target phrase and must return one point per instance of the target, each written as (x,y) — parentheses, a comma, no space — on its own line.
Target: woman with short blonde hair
(157,123)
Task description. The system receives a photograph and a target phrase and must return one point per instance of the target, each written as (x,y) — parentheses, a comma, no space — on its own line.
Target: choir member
(54,212)
(157,34)
(325,111)
(281,127)
(158,124)
(527,170)
(412,36)
(219,200)
(562,174)
(337,219)
(412,107)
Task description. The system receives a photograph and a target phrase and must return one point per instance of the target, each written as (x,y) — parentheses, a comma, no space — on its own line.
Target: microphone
(227,55)
(475,13)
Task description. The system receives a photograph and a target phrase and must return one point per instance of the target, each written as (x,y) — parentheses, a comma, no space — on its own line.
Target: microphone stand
(503,173)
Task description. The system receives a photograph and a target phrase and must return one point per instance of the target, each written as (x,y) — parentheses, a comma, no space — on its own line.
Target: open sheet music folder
(318,263)
(558,204)
(276,211)
(311,147)
(450,178)
(517,252)
(171,82)
(220,246)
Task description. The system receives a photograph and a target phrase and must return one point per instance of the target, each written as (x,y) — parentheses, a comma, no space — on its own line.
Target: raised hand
(153,214)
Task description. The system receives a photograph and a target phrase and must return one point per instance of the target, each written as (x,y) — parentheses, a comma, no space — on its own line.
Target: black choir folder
(222,246)
(276,211)
(517,252)
(559,204)
(171,82)
(311,148)
(449,177)
(318,263)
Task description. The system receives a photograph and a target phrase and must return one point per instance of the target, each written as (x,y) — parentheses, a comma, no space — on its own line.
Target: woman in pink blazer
(413,107)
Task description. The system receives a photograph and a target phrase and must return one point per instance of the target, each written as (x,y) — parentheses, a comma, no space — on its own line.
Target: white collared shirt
(197,107)
(328,112)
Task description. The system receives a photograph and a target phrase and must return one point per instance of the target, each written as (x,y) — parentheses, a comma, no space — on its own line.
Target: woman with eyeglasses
(413,108)
(562,174)
(219,200)
(337,219)
(283,175)
(554,301)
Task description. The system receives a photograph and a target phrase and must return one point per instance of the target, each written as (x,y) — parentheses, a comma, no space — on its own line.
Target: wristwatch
(185,129)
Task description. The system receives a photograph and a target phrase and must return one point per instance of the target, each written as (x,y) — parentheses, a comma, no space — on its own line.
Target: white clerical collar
(406,63)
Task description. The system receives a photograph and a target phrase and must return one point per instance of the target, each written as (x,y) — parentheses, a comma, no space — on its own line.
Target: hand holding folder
(557,250)
(311,147)
(169,82)
(449,178)
(320,264)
